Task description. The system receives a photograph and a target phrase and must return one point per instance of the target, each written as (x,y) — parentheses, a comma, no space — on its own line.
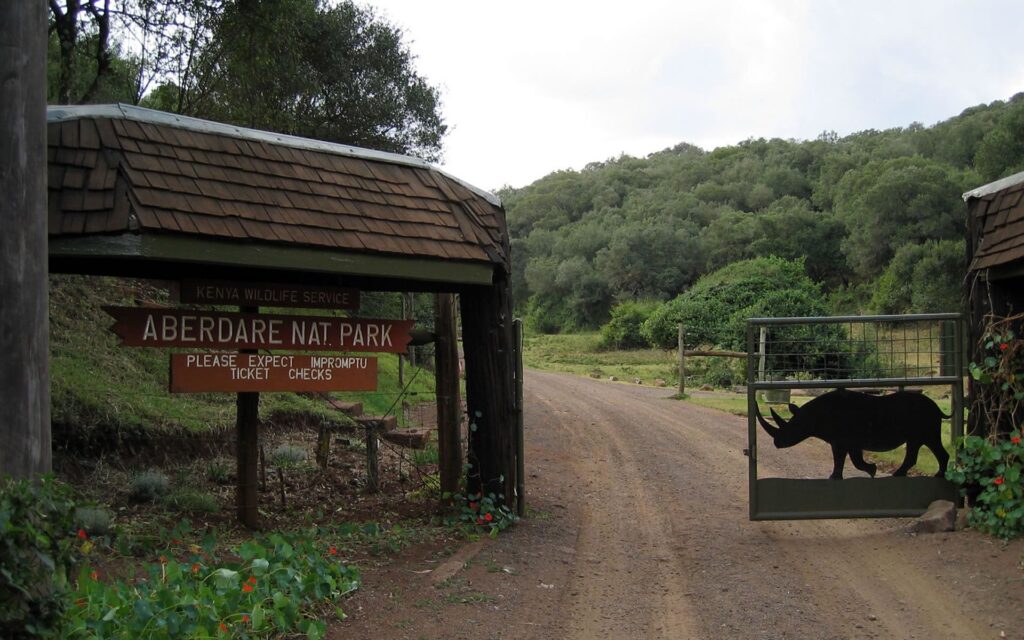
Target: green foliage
(477,511)
(336,72)
(288,456)
(623,331)
(889,203)
(190,500)
(630,228)
(922,278)
(715,310)
(992,470)
(36,554)
(95,521)
(265,587)
(148,486)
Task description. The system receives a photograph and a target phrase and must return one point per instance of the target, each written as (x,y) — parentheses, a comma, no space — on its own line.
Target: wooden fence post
(446,381)
(247,427)
(682,360)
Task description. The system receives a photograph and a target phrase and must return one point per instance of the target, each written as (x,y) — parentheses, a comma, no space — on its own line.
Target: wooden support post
(24,315)
(247,425)
(762,353)
(682,360)
(520,426)
(490,388)
(446,381)
(402,356)
(372,467)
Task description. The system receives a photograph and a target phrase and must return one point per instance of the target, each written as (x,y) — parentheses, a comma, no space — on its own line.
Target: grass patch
(581,354)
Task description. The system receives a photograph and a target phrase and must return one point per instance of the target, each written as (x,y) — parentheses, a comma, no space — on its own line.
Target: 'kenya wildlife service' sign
(267,295)
(144,327)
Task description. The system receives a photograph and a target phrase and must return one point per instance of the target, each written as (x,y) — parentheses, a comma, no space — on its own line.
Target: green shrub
(272,586)
(148,486)
(623,331)
(95,521)
(37,551)
(188,499)
(922,279)
(219,471)
(288,456)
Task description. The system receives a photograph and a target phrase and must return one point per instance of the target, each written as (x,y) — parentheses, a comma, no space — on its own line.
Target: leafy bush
(480,511)
(990,468)
(148,486)
(716,308)
(288,456)
(95,521)
(994,470)
(36,553)
(922,278)
(188,499)
(623,331)
(277,584)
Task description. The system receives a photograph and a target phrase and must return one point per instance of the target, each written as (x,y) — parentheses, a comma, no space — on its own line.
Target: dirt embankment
(639,529)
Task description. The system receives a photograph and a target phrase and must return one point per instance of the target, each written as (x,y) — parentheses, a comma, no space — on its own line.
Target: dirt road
(639,529)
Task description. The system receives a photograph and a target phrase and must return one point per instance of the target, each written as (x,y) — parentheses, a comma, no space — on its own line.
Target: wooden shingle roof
(998,210)
(115,169)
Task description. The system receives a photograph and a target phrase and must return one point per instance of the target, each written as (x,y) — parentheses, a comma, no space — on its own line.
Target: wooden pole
(372,466)
(402,356)
(762,353)
(520,426)
(446,381)
(490,388)
(682,360)
(247,427)
(24,314)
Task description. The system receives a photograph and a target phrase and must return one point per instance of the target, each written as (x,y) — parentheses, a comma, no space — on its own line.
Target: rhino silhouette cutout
(853,422)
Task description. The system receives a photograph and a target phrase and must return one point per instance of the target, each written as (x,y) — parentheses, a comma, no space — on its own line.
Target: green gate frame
(801,499)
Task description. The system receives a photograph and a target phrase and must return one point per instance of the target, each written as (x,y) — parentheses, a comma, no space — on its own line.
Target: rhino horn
(772,430)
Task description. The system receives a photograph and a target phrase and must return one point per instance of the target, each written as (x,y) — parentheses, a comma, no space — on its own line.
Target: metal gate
(858,353)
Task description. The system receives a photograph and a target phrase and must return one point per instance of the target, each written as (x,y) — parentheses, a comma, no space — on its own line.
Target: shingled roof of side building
(998,210)
(118,169)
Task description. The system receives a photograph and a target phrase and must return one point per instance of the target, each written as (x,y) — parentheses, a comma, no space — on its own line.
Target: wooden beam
(247,426)
(24,324)
(446,380)
(211,252)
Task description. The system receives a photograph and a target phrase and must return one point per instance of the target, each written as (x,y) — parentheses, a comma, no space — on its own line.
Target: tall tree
(337,73)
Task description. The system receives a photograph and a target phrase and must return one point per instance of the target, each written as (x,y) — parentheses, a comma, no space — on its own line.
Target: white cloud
(531,87)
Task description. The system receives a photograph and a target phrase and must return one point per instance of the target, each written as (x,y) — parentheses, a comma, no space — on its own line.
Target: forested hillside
(876,217)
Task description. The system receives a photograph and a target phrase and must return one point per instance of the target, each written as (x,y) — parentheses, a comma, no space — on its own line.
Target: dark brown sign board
(267,295)
(153,327)
(240,372)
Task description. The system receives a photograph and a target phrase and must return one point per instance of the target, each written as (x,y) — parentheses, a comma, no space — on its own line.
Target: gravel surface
(638,528)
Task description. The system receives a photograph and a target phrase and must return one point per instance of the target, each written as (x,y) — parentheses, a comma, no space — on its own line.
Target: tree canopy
(334,72)
(875,218)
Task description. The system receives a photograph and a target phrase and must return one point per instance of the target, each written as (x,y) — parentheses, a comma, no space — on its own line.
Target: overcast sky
(532,87)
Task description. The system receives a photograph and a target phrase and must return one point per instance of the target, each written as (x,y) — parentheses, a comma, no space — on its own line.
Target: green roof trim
(265,256)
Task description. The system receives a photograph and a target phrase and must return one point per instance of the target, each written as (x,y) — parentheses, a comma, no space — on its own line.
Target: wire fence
(792,352)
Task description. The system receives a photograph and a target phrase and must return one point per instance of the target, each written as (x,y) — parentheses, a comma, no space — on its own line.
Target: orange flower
(94,575)
(223,628)
(247,588)
(1003,346)
(1015,439)
(332,550)
(252,580)
(488,517)
(998,481)
(195,567)
(245,617)
(82,535)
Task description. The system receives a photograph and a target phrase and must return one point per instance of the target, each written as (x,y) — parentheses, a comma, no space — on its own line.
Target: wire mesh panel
(875,367)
